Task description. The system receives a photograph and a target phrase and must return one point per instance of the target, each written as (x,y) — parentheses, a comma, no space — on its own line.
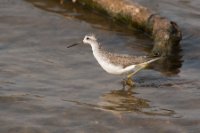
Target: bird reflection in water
(125,101)
(122,101)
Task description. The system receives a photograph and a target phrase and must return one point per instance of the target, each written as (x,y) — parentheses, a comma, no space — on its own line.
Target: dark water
(47,88)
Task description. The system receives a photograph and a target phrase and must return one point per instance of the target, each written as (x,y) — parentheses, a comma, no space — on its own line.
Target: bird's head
(88,39)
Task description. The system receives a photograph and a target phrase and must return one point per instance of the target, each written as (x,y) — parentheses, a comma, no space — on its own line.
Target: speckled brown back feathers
(123,60)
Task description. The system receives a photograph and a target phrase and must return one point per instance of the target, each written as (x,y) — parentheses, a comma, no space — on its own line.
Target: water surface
(45,87)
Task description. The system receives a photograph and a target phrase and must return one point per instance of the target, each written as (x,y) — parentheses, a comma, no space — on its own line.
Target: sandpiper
(117,64)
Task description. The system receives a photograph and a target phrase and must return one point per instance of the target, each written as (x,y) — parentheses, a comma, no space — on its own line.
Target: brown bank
(165,33)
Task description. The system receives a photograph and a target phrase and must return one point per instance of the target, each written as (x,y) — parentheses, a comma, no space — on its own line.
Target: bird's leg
(140,67)
(129,80)
(123,82)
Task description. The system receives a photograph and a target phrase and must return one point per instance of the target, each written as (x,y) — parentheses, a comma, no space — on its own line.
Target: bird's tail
(142,66)
(145,64)
(152,60)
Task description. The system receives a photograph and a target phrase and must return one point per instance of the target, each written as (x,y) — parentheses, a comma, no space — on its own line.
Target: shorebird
(117,64)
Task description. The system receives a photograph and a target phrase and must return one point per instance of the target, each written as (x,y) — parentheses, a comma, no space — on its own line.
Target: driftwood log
(166,34)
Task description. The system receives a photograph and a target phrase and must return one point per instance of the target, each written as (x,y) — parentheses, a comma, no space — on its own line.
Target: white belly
(111,68)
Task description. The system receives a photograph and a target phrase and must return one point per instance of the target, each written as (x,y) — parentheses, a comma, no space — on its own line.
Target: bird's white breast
(109,67)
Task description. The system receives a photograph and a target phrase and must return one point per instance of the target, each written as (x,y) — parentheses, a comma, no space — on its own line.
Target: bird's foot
(128,82)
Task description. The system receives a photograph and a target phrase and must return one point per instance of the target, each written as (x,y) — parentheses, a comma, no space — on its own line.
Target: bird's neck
(95,47)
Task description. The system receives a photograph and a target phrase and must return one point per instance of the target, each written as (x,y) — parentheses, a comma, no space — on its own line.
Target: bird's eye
(87,38)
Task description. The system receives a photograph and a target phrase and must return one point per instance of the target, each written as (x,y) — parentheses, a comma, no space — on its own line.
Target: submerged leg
(123,84)
(127,82)
(130,82)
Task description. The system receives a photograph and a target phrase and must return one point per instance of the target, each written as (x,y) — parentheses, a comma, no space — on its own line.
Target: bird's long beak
(72,45)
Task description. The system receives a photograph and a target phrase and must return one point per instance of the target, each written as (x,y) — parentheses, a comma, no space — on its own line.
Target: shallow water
(45,87)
